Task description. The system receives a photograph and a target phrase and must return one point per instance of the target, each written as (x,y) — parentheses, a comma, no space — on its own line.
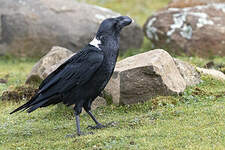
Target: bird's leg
(87,108)
(79,133)
(77,111)
(78,125)
(98,125)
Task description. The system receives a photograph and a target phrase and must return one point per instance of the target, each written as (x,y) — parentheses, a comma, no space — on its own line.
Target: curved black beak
(123,21)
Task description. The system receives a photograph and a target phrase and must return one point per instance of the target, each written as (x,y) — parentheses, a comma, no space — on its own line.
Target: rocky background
(31,28)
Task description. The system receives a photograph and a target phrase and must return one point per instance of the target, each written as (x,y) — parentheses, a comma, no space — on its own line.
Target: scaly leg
(77,111)
(98,125)
(78,125)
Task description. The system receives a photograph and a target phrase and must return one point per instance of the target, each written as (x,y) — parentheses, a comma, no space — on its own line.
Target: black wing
(73,73)
(61,67)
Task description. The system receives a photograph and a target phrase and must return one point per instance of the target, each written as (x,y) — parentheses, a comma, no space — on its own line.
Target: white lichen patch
(202,19)
(219,6)
(173,9)
(151,30)
(180,23)
(186,31)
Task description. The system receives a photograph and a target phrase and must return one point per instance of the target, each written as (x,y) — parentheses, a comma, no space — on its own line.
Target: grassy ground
(14,70)
(194,120)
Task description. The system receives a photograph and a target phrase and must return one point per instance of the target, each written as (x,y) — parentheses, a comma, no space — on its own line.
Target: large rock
(196,30)
(188,72)
(47,64)
(31,28)
(143,76)
(191,3)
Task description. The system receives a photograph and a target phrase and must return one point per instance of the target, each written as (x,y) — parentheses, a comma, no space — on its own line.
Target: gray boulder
(47,64)
(143,76)
(31,28)
(195,30)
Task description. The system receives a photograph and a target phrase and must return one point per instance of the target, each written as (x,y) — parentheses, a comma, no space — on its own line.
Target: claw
(98,126)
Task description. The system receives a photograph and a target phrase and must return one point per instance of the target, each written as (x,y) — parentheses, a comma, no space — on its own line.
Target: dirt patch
(19,93)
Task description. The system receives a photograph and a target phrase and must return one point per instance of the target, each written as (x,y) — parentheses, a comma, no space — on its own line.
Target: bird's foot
(98,126)
(78,134)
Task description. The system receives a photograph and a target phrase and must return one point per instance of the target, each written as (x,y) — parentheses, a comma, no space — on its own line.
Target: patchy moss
(19,93)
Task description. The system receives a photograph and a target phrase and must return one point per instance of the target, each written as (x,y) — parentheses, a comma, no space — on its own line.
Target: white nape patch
(95,43)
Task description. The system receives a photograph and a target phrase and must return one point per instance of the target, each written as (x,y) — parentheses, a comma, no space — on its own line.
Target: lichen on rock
(151,30)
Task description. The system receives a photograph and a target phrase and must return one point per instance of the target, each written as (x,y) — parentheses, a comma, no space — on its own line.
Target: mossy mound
(19,93)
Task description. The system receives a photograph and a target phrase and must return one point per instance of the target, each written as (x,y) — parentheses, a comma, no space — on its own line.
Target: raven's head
(114,25)
(110,29)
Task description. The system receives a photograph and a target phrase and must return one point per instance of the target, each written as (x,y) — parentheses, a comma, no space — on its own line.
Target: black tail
(37,101)
(25,106)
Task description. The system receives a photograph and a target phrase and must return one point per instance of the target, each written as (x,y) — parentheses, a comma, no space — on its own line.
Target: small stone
(212,72)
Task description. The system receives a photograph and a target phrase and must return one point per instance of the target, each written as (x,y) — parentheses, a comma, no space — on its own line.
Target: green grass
(15,70)
(202,61)
(194,120)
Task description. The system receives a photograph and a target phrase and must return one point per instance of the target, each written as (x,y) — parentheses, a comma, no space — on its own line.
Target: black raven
(82,77)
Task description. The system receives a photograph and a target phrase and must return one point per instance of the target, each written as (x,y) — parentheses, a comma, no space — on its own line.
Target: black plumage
(82,78)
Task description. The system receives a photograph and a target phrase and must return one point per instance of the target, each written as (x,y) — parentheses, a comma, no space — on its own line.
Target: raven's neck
(110,46)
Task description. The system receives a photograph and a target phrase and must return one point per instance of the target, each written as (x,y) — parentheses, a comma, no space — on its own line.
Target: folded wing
(75,72)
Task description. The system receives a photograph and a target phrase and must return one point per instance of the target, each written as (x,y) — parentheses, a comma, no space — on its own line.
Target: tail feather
(34,107)
(26,105)
(37,101)
(45,102)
